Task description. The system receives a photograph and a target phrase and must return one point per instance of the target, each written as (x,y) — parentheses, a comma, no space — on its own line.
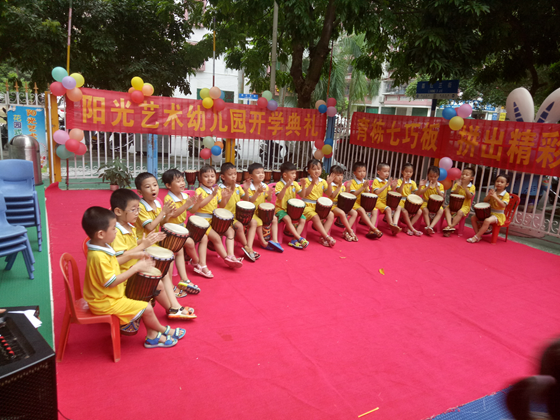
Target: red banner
(517,146)
(102,110)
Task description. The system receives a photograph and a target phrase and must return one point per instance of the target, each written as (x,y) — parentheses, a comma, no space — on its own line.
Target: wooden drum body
(295,209)
(393,199)
(142,286)
(244,211)
(323,207)
(221,220)
(413,203)
(434,203)
(456,202)
(266,213)
(162,257)
(346,201)
(191,176)
(482,211)
(276,175)
(197,227)
(368,201)
(176,237)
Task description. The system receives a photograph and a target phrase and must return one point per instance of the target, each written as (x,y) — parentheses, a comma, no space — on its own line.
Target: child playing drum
(498,199)
(406,187)
(381,185)
(358,186)
(463,187)
(338,187)
(428,188)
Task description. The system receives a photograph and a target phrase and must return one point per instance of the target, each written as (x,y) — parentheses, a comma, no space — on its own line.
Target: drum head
(246,205)
(266,206)
(200,222)
(415,199)
(457,196)
(348,195)
(481,205)
(394,193)
(152,272)
(178,229)
(191,171)
(370,195)
(223,214)
(296,202)
(324,201)
(159,252)
(436,197)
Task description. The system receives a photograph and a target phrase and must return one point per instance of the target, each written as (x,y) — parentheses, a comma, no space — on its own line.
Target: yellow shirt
(317,191)
(334,188)
(379,183)
(146,215)
(234,199)
(409,188)
(497,211)
(178,202)
(125,241)
(209,208)
(458,189)
(434,190)
(290,193)
(261,199)
(355,185)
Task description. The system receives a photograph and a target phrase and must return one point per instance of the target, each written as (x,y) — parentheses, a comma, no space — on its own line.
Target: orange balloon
(147,89)
(219,144)
(74,95)
(131,90)
(447,183)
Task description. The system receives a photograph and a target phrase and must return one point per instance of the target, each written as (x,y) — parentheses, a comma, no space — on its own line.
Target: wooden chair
(510,210)
(76,314)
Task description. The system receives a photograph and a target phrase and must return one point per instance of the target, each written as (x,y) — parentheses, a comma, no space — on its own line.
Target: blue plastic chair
(10,233)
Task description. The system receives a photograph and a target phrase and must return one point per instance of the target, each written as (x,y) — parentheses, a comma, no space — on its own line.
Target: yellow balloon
(207,102)
(456,123)
(79,79)
(137,83)
(204,93)
(327,149)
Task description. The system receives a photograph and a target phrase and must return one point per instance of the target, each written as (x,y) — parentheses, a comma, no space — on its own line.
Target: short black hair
(407,165)
(254,166)
(313,162)
(95,219)
(381,165)
(337,170)
(121,197)
(287,167)
(170,175)
(206,168)
(226,167)
(434,169)
(469,168)
(504,175)
(357,165)
(141,178)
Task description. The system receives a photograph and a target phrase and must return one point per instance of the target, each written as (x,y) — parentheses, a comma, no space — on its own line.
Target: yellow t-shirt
(146,215)
(262,198)
(178,202)
(334,198)
(234,199)
(125,241)
(458,189)
(431,190)
(311,198)
(409,188)
(209,208)
(379,183)
(497,211)
(290,193)
(355,185)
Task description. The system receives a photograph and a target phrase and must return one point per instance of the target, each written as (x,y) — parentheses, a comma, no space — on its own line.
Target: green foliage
(116,172)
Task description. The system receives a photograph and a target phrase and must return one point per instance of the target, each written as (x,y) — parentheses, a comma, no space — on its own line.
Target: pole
(240,85)
(69,37)
(273,55)
(214,56)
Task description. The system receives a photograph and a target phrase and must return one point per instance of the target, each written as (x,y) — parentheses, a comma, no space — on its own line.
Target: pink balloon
(262,102)
(446,163)
(72,145)
(219,104)
(331,102)
(137,97)
(205,154)
(76,134)
(453,174)
(319,144)
(464,111)
(82,149)
(60,136)
(331,111)
(57,89)
(318,155)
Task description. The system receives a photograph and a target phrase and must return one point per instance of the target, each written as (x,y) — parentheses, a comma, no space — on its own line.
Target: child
(381,186)
(407,186)
(337,187)
(287,189)
(125,204)
(210,197)
(498,199)
(465,188)
(256,191)
(359,185)
(104,283)
(228,173)
(313,188)
(427,188)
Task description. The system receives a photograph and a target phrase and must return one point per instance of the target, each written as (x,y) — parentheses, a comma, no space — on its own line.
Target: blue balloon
(216,150)
(322,108)
(442,174)
(223,95)
(449,113)
(329,142)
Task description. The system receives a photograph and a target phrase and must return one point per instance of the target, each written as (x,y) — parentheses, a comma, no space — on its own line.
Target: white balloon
(549,112)
(520,106)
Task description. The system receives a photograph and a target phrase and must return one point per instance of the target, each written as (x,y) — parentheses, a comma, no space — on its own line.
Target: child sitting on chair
(104,288)
(358,186)
(286,189)
(466,188)
(407,186)
(498,199)
(381,185)
(337,187)
(427,188)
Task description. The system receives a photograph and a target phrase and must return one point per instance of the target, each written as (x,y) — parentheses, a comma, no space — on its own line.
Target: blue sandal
(152,343)
(295,243)
(188,287)
(177,335)
(275,246)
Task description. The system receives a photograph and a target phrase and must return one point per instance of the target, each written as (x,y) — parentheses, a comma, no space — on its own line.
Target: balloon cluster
(70,143)
(329,107)
(213,98)
(447,173)
(69,85)
(456,116)
(139,90)
(324,149)
(266,101)
(213,149)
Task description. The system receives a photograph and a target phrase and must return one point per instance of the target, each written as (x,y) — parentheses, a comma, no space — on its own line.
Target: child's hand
(226,194)
(492,193)
(261,189)
(247,184)
(289,182)
(144,264)
(302,183)
(168,206)
(155,237)
(393,182)
(423,183)
(330,179)
(215,191)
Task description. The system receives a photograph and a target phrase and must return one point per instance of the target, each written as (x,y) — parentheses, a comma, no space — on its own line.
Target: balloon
(445,163)
(69,82)
(60,136)
(448,113)
(262,102)
(137,83)
(216,150)
(267,94)
(78,78)
(223,95)
(76,134)
(331,111)
(82,149)
(59,73)
(464,111)
(131,90)
(219,104)
(319,144)
(57,89)
(328,156)
(205,154)
(318,155)
(442,174)
(75,95)
(215,92)
(453,174)
(456,123)
(326,149)
(329,141)
(319,103)
(331,102)
(447,183)
(72,145)
(137,97)
(208,102)
(147,89)
(204,92)
(217,158)
(208,142)
(63,153)
(322,108)
(272,105)
(220,144)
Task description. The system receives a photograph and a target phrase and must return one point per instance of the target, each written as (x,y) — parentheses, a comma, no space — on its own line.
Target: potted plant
(117,173)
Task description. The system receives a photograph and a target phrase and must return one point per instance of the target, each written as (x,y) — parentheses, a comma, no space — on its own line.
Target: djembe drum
(176,237)
(434,203)
(456,202)
(197,227)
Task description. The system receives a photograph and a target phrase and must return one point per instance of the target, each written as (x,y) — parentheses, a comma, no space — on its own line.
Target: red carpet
(320,334)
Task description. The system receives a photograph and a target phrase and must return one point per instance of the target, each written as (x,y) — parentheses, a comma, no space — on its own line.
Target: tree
(112,41)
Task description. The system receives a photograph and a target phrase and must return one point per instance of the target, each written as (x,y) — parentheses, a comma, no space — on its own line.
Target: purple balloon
(272,105)
(60,136)
(69,82)
(331,111)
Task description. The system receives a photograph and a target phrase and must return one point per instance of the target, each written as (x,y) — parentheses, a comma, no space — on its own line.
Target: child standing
(104,288)
(358,186)
(287,189)
(466,188)
(381,185)
(498,199)
(427,188)
(337,187)
(407,186)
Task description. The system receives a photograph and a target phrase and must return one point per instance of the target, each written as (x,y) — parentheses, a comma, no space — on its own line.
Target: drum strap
(205,215)
(309,201)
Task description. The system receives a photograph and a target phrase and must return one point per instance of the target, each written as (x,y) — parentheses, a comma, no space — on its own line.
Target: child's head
(433,174)
(289,171)
(99,223)
(468,174)
(502,181)
(147,186)
(207,176)
(359,170)
(256,172)
(338,173)
(228,173)
(174,180)
(314,168)
(383,170)
(124,203)
(407,170)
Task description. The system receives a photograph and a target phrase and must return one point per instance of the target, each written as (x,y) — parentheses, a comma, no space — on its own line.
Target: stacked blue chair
(17,184)
(13,239)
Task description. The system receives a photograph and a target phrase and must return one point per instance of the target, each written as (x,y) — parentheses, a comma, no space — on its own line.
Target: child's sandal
(295,244)
(304,242)
(233,262)
(473,240)
(331,241)
(177,313)
(188,287)
(199,269)
(177,335)
(153,343)
(179,293)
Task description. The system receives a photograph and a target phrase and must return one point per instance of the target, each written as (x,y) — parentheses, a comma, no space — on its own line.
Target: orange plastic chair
(509,212)
(75,314)
(84,247)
